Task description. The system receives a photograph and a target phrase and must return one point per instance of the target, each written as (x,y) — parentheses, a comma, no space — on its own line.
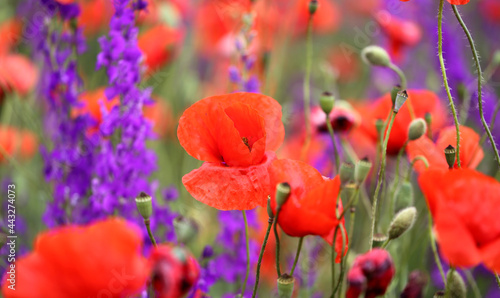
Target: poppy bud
(185,229)
(417,128)
(415,286)
(346,173)
(400,100)
(269,209)
(456,287)
(313,6)
(379,126)
(327,101)
(348,191)
(370,273)
(283,191)
(285,286)
(376,56)
(402,222)
(449,153)
(363,167)
(394,93)
(144,205)
(404,196)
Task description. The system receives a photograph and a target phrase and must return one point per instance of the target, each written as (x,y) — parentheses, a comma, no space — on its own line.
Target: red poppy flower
(471,153)
(423,102)
(102,259)
(17,74)
(95,15)
(236,135)
(464,205)
(342,117)
(17,143)
(10,32)
(310,209)
(158,45)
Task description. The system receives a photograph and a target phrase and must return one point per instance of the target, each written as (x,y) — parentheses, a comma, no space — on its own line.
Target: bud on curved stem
(402,222)
(417,129)
(455,286)
(376,56)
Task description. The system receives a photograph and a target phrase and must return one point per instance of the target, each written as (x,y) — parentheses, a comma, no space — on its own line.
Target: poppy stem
(332,136)
(353,214)
(498,279)
(276,236)
(404,84)
(262,249)
(472,283)
(248,253)
(492,123)
(413,161)
(342,261)
(445,78)
(148,227)
(299,248)
(306,88)
(479,83)
(381,173)
(434,248)
(396,178)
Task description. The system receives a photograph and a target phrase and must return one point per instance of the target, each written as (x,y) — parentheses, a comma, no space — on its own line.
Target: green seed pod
(404,196)
(394,93)
(417,128)
(363,167)
(327,101)
(402,222)
(269,209)
(313,6)
(185,229)
(400,100)
(283,191)
(144,205)
(450,154)
(348,191)
(285,286)
(346,173)
(376,56)
(456,287)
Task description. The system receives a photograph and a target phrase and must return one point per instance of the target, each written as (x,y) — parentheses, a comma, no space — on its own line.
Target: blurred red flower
(95,15)
(236,135)
(310,209)
(471,153)
(17,143)
(158,45)
(17,74)
(102,259)
(327,18)
(10,33)
(454,2)
(464,205)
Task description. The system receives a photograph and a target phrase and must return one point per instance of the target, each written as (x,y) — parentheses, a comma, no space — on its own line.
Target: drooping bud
(363,167)
(450,154)
(313,6)
(394,93)
(283,191)
(400,100)
(402,222)
(404,196)
(417,128)
(185,229)
(269,209)
(346,173)
(348,191)
(144,205)
(285,286)
(456,287)
(376,56)
(327,101)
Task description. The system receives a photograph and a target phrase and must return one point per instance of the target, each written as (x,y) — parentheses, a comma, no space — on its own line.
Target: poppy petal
(471,153)
(230,188)
(490,255)
(458,2)
(426,148)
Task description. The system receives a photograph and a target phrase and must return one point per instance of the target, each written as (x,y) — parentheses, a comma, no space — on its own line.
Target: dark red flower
(464,205)
(417,281)
(236,135)
(371,274)
(311,207)
(342,117)
(471,153)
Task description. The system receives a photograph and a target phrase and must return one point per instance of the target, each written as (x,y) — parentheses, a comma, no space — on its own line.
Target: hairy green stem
(248,253)
(148,227)
(396,179)
(498,279)
(262,249)
(434,249)
(332,136)
(299,248)
(276,236)
(404,85)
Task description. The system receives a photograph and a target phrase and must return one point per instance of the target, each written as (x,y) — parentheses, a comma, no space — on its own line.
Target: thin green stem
(472,283)
(445,78)
(498,279)
(276,236)
(247,240)
(148,227)
(333,261)
(413,161)
(381,173)
(396,179)
(492,123)
(299,248)
(353,215)
(404,85)
(448,281)
(306,88)
(386,242)
(338,287)
(332,136)
(262,249)
(479,81)
(434,249)
(348,150)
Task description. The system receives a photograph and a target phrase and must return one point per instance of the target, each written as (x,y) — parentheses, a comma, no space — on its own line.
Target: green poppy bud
(417,128)
(404,196)
(313,6)
(185,229)
(346,173)
(363,167)
(450,154)
(269,209)
(144,205)
(285,286)
(400,100)
(456,287)
(376,56)
(283,191)
(327,101)
(402,222)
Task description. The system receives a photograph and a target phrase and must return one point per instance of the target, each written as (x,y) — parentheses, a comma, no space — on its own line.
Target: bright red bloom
(423,102)
(102,259)
(471,153)
(236,135)
(464,205)
(158,45)
(174,272)
(310,209)
(17,143)
(95,15)
(17,74)
(371,273)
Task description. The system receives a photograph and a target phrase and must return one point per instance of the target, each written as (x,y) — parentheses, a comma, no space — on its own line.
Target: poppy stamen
(245,141)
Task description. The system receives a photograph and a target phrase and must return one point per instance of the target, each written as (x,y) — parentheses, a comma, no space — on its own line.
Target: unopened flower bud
(285,286)
(394,93)
(346,173)
(144,205)
(400,100)
(404,196)
(450,154)
(313,6)
(417,128)
(327,101)
(402,222)
(348,191)
(185,229)
(456,287)
(269,209)
(363,167)
(283,191)
(376,56)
